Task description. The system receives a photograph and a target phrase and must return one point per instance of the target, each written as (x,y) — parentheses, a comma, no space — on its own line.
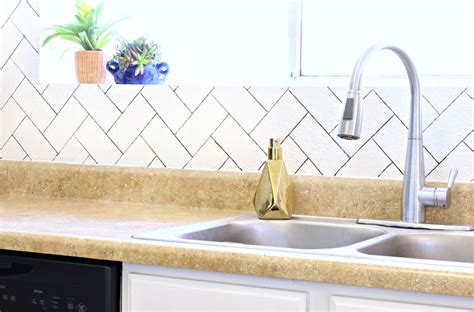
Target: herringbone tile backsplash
(215,128)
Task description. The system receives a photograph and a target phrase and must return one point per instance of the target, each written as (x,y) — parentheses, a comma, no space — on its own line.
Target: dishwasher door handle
(14,269)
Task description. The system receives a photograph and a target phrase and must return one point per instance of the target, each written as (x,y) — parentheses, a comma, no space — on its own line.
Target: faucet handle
(443,194)
(453,173)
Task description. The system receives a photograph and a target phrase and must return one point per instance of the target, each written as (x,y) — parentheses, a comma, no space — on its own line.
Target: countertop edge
(316,270)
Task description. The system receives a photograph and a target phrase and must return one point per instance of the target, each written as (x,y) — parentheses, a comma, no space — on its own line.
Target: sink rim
(409,235)
(174,234)
(344,253)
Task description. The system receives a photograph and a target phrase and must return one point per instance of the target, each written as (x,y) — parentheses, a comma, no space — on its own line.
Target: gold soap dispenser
(271,199)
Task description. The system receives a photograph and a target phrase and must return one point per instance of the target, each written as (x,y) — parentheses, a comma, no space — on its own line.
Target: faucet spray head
(351,121)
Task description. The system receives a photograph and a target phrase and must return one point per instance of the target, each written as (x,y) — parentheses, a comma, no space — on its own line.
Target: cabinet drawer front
(148,293)
(350,304)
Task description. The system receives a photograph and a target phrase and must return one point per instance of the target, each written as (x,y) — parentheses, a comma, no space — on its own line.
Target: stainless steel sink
(299,233)
(327,237)
(443,247)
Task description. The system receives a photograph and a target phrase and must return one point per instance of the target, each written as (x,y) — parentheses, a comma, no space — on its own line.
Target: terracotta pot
(90,67)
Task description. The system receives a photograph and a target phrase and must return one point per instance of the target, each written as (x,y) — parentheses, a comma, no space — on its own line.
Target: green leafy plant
(86,30)
(139,53)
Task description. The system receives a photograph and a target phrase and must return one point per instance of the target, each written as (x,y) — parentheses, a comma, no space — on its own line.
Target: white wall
(221,128)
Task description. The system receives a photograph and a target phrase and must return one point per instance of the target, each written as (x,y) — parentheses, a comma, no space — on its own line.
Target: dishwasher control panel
(15,296)
(31,283)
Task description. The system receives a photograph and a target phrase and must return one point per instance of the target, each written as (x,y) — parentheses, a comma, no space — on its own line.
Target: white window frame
(295,32)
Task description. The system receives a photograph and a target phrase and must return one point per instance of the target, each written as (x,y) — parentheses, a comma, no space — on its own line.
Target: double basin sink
(330,236)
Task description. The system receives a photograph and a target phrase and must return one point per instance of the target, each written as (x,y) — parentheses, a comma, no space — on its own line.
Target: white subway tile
(461,159)
(72,152)
(392,173)
(11,117)
(392,138)
(138,154)
(267,96)
(229,165)
(319,146)
(156,163)
(34,105)
(12,150)
(241,105)
(440,98)
(10,37)
(470,140)
(57,95)
(279,122)
(33,142)
(28,23)
(376,115)
(239,146)
(450,128)
(35,4)
(131,123)
(90,161)
(192,96)
(321,103)
(96,142)
(65,124)
(201,124)
(398,99)
(27,60)
(10,77)
(165,144)
(308,168)
(470,92)
(122,95)
(101,109)
(292,155)
(209,157)
(8,6)
(368,162)
(173,112)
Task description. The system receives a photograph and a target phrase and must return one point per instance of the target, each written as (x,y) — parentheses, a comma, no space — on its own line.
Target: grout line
(445,109)
(302,150)
(22,148)
(192,112)
(229,157)
(72,136)
(11,14)
(26,38)
(390,158)
(156,155)
(232,117)
(383,170)
(9,58)
(371,138)
(16,128)
(329,134)
(29,4)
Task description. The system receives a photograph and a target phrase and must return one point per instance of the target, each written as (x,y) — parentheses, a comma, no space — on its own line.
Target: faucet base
(410,225)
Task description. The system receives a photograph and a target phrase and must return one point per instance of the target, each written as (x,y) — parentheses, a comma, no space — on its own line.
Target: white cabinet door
(148,293)
(349,304)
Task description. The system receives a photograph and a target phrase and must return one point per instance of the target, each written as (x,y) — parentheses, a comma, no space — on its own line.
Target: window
(438,35)
(269,41)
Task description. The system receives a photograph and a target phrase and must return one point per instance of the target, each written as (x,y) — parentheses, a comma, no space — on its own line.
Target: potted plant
(138,62)
(90,36)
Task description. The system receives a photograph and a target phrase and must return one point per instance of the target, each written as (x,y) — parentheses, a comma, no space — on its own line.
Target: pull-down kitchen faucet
(416,196)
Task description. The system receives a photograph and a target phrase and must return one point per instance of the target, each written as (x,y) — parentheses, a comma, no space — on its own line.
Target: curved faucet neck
(415,131)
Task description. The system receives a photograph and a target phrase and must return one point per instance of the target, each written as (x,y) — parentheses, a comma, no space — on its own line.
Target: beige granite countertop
(92,212)
(102,230)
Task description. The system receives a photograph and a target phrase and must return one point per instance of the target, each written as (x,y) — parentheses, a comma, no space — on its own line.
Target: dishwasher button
(81,307)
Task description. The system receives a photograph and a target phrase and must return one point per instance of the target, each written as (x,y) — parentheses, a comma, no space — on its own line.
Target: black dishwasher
(33,282)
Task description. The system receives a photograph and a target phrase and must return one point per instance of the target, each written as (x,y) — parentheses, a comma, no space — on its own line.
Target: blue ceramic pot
(152,74)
